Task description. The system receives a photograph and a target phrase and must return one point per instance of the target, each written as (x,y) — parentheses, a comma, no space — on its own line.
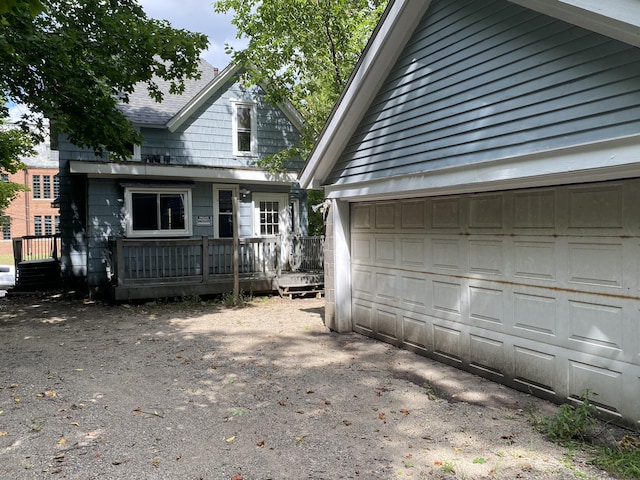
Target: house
(483,172)
(162,223)
(32,213)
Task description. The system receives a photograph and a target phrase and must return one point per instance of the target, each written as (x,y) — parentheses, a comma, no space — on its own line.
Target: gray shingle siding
(485,80)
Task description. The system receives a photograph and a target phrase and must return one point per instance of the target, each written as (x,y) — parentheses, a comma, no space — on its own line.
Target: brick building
(32,213)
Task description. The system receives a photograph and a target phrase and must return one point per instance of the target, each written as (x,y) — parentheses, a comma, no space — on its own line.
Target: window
(269,218)
(244,128)
(36,187)
(6,227)
(165,212)
(37,226)
(56,186)
(56,223)
(48,227)
(46,186)
(224,213)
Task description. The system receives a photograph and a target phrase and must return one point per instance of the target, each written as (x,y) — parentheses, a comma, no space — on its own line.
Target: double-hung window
(244,128)
(6,227)
(164,212)
(35,187)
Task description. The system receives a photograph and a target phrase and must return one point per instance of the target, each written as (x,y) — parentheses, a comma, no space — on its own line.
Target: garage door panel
(595,263)
(387,324)
(413,214)
(534,209)
(362,317)
(447,343)
(385,215)
(362,250)
(414,332)
(446,213)
(486,257)
(413,251)
(535,369)
(535,316)
(385,250)
(486,211)
(385,291)
(596,328)
(447,298)
(486,354)
(362,283)
(415,294)
(596,207)
(486,307)
(446,253)
(604,381)
(535,259)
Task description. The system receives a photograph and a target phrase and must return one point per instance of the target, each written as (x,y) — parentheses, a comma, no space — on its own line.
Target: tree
(14,145)
(303,51)
(74,61)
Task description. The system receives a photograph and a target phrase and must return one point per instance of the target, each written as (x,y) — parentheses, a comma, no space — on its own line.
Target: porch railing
(136,261)
(32,247)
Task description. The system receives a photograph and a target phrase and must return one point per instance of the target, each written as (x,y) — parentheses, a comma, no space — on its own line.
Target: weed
(230,300)
(571,422)
(430,391)
(448,467)
(479,460)
(618,460)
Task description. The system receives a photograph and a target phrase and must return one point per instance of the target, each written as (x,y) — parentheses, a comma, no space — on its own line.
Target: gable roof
(174,110)
(619,20)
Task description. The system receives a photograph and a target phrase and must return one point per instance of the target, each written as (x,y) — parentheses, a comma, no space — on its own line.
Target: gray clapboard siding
(486,80)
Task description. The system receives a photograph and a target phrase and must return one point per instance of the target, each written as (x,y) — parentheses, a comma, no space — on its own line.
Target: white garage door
(538,289)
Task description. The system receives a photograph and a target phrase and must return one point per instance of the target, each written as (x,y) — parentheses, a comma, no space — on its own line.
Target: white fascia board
(175,172)
(618,19)
(593,162)
(400,20)
(196,102)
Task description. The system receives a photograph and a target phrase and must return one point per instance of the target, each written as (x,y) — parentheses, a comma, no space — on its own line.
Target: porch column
(338,269)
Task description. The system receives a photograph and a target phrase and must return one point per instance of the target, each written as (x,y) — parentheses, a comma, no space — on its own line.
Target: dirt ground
(195,390)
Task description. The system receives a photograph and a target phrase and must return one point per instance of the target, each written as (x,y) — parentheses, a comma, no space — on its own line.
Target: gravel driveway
(194,390)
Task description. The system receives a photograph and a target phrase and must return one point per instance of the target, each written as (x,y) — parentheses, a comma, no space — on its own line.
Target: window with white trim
(244,128)
(158,212)
(6,227)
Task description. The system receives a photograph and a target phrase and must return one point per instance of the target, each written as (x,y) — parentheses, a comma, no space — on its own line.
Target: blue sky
(198,16)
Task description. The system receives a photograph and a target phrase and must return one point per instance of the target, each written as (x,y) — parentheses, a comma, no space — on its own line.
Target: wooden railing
(190,260)
(306,254)
(165,261)
(31,247)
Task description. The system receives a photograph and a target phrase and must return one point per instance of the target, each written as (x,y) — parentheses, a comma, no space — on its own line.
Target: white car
(7,276)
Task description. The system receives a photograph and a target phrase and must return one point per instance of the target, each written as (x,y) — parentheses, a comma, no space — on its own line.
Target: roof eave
(198,100)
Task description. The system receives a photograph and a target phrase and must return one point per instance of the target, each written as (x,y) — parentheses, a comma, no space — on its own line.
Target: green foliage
(303,52)
(14,145)
(617,460)
(316,219)
(75,61)
(571,422)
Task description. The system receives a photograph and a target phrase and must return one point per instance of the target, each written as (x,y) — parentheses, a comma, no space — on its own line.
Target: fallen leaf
(14,385)
(437,463)
(155,462)
(4,434)
(310,390)
(260,443)
(62,441)
(75,424)
(299,439)
(237,477)
(379,394)
(230,439)
(404,411)
(16,400)
(346,422)
(381,416)
(78,369)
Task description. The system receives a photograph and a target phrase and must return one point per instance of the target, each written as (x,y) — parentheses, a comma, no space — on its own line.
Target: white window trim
(234,127)
(188,224)
(216,205)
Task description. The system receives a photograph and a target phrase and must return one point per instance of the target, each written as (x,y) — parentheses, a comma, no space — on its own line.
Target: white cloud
(198,16)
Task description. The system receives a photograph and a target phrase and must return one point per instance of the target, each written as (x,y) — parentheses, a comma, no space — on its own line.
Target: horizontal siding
(486,80)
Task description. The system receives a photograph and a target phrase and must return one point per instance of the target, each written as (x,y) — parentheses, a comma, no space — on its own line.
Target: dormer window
(244,128)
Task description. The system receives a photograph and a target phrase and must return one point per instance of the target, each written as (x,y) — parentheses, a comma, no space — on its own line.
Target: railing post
(120,263)
(205,259)
(278,255)
(17,251)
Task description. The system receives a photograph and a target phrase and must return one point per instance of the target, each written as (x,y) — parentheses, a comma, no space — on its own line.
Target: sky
(198,16)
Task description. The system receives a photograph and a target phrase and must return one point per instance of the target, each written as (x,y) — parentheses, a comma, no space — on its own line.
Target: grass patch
(572,426)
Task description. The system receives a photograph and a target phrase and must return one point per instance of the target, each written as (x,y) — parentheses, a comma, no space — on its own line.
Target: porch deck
(144,269)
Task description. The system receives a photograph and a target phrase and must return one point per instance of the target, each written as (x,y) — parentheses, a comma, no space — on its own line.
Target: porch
(146,268)
(37,262)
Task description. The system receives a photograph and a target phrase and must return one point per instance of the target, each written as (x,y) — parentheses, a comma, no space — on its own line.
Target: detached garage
(483,172)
